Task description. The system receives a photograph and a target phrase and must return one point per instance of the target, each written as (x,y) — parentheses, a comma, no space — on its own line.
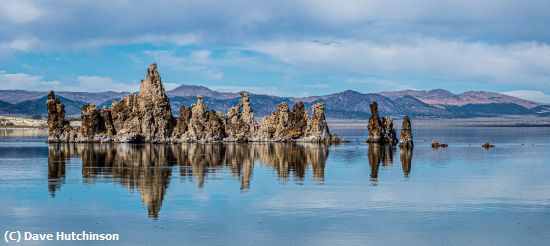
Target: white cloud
(21,44)
(23,81)
(198,62)
(100,83)
(461,61)
(533,95)
(380,84)
(180,39)
(19,11)
(17,81)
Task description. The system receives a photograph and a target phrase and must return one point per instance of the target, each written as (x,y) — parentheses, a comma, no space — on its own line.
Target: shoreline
(504,121)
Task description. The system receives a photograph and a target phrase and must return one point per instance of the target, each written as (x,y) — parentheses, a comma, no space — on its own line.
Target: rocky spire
(406,138)
(204,125)
(182,123)
(151,86)
(318,126)
(155,114)
(375,125)
(388,132)
(59,130)
(147,117)
(240,124)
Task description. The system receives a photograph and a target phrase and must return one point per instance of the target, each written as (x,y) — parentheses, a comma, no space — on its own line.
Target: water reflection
(405,154)
(374,160)
(383,154)
(148,168)
(56,168)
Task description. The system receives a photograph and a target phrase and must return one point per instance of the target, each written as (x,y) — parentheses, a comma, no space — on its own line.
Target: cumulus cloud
(19,12)
(462,61)
(20,44)
(15,81)
(463,43)
(379,84)
(182,22)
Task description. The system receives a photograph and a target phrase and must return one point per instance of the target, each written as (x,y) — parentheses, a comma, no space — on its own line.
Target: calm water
(285,194)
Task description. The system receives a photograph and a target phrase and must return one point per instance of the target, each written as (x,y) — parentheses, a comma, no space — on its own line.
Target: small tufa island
(147,117)
(383,132)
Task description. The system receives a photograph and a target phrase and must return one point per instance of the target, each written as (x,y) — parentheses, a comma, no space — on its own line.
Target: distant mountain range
(343,105)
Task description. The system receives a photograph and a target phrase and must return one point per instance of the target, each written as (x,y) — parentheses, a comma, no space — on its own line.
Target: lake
(285,194)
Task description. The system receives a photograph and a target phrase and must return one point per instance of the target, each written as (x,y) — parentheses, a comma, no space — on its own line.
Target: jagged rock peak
(51,95)
(239,122)
(152,84)
(318,126)
(406,137)
(59,129)
(375,125)
(388,132)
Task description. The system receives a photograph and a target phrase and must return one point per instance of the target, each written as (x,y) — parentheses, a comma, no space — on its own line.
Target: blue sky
(287,48)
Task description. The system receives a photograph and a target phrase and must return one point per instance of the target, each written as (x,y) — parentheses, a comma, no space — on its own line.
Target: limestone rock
(317,126)
(240,124)
(271,127)
(90,120)
(437,144)
(406,138)
(59,129)
(182,123)
(389,134)
(487,145)
(204,125)
(146,117)
(375,125)
(296,125)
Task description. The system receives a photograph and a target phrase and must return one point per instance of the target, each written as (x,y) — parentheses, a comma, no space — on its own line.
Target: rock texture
(406,138)
(487,145)
(437,144)
(240,124)
(146,117)
(383,132)
(59,129)
(296,125)
(388,132)
(375,125)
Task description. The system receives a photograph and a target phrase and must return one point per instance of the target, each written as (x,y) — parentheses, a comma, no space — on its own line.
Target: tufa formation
(375,125)
(487,145)
(147,117)
(436,144)
(383,132)
(406,138)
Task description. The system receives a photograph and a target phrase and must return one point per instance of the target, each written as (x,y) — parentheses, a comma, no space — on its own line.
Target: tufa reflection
(383,154)
(147,168)
(405,154)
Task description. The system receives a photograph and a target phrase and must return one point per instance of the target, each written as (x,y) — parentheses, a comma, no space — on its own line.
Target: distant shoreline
(511,121)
